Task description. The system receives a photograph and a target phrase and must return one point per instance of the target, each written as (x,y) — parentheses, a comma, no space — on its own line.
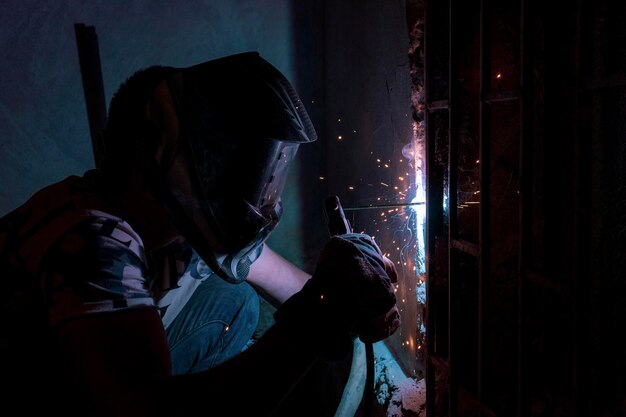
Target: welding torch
(339,224)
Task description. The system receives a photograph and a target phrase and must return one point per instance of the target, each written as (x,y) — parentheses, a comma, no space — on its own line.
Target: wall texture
(43,118)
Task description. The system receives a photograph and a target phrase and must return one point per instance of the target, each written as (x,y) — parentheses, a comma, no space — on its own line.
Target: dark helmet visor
(241,123)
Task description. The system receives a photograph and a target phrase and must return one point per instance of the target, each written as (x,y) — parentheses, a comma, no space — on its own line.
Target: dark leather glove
(350,294)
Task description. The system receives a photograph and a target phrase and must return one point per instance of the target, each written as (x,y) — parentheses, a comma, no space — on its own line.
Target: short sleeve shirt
(62,252)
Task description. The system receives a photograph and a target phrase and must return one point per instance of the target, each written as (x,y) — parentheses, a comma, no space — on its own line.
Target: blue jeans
(216,324)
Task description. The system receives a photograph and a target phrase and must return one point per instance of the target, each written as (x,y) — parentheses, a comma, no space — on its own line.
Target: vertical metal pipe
(93,87)
(525,201)
(484,142)
(430,220)
(581,239)
(453,133)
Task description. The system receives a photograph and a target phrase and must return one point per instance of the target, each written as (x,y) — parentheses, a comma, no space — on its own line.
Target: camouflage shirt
(63,255)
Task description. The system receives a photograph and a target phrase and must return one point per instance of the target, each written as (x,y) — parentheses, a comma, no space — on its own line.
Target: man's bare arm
(276,277)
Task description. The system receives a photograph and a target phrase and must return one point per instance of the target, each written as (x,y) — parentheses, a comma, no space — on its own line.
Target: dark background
(522,115)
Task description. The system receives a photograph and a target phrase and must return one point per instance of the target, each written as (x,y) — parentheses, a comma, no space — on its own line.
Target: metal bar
(434,210)
(93,87)
(543,281)
(499,96)
(484,143)
(581,222)
(611,81)
(437,105)
(525,200)
(439,363)
(383,206)
(453,124)
(466,247)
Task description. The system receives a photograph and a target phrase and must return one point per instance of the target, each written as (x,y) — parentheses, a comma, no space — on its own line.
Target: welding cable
(368,395)
(359,388)
(353,390)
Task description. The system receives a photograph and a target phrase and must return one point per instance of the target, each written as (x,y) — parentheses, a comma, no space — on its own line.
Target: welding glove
(350,294)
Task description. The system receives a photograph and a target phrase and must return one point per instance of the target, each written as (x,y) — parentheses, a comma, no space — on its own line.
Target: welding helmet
(239,124)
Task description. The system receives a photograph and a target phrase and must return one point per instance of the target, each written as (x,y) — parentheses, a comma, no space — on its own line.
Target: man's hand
(350,294)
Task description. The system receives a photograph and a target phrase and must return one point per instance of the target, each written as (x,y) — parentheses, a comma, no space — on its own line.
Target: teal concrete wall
(43,118)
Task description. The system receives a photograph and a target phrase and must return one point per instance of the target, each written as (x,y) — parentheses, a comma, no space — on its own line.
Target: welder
(132,290)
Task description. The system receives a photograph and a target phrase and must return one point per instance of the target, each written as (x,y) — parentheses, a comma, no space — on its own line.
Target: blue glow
(418,206)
